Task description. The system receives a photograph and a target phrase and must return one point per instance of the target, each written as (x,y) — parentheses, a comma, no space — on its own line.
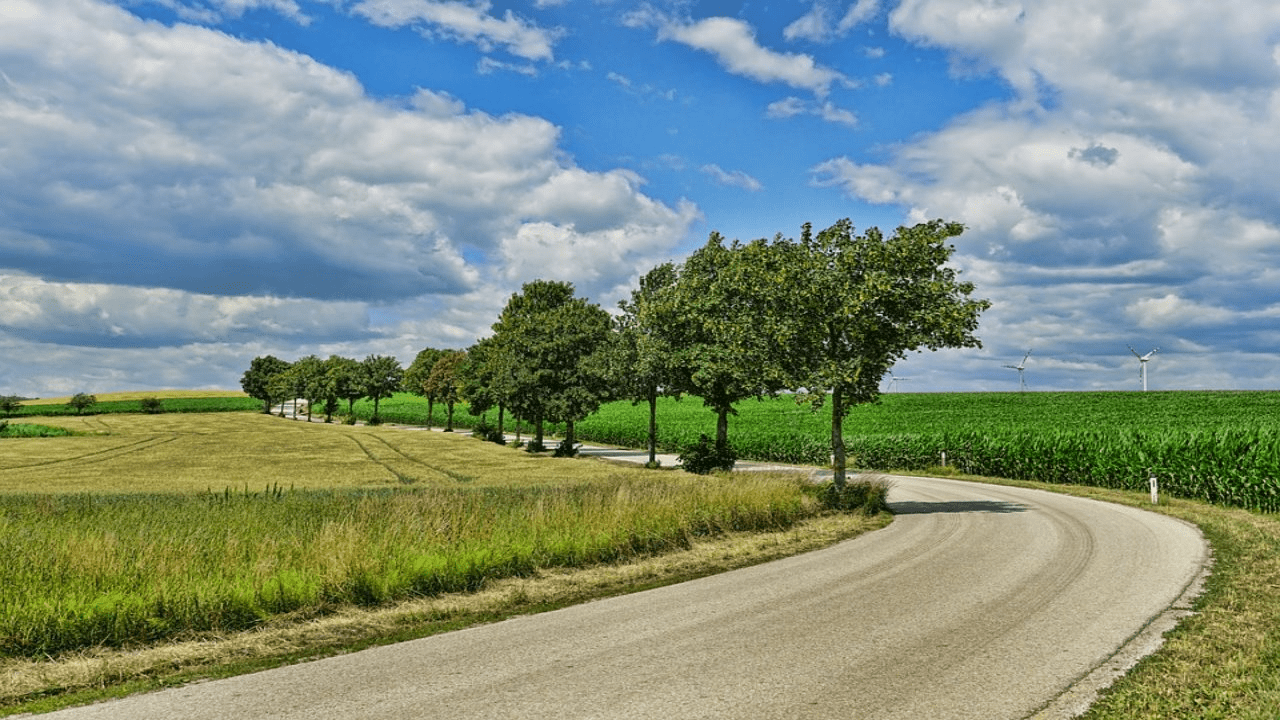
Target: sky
(188,184)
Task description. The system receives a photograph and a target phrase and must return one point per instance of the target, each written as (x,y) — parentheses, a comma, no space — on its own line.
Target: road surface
(977,602)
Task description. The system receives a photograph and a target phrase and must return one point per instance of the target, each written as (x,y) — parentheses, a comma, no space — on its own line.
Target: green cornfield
(1220,447)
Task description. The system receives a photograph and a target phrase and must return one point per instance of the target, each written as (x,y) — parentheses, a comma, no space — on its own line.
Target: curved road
(977,602)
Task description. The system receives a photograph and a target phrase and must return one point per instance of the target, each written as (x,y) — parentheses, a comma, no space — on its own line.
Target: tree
(487,379)
(639,352)
(9,405)
(859,303)
(287,385)
(382,377)
(81,402)
(347,379)
(256,381)
(445,382)
(715,320)
(415,378)
(550,338)
(312,381)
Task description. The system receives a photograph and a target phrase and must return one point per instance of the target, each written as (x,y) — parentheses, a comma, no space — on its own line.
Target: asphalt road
(976,602)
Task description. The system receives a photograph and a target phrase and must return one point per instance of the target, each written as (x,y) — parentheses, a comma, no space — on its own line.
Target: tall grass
(86,570)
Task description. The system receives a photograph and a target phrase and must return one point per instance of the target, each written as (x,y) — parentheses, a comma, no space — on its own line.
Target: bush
(485,431)
(81,402)
(566,450)
(151,405)
(10,404)
(868,496)
(704,457)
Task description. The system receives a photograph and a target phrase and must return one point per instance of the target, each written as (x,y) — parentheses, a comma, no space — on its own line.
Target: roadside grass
(95,673)
(209,532)
(1223,662)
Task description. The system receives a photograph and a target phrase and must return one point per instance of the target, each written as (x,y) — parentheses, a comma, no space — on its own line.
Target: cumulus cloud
(96,315)
(466,22)
(733,43)
(1132,153)
(792,106)
(180,157)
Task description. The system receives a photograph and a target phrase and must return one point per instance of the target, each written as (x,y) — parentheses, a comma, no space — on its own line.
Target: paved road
(976,602)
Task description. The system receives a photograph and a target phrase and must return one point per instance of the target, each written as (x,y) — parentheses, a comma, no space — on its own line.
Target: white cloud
(793,106)
(98,315)
(734,45)
(467,22)
(142,155)
(1125,189)
(816,25)
(736,178)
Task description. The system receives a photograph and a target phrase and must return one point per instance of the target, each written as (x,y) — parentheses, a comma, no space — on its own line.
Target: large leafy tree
(717,319)
(859,303)
(256,381)
(416,376)
(445,383)
(346,377)
(487,378)
(382,377)
(551,339)
(312,381)
(639,354)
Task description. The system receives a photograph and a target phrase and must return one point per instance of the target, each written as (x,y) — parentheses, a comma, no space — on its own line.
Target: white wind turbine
(1022,383)
(893,380)
(1142,364)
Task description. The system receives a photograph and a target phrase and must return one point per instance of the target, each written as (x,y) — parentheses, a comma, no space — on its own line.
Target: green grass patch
(26,430)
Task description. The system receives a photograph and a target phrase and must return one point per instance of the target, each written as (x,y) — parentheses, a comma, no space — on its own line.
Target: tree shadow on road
(960,506)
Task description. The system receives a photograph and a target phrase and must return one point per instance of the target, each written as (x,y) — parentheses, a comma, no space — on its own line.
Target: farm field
(175,401)
(148,527)
(1220,447)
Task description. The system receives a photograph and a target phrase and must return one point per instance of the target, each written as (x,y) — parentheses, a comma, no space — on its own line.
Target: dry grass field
(140,394)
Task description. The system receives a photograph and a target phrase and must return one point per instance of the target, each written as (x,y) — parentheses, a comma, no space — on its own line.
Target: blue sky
(187,184)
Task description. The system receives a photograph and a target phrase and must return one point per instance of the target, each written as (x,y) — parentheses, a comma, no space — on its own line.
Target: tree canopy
(256,381)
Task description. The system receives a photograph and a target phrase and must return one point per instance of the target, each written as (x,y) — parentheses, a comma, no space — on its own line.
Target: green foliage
(9,405)
(381,377)
(257,380)
(24,430)
(151,405)
(81,402)
(490,433)
(706,456)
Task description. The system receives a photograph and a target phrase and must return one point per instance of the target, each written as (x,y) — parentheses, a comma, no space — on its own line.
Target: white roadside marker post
(1155,491)
(944,458)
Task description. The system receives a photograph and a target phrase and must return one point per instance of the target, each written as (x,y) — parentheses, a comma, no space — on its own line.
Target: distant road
(977,602)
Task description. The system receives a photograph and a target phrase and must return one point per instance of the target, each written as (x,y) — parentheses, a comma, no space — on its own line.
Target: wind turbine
(893,379)
(1142,364)
(1022,383)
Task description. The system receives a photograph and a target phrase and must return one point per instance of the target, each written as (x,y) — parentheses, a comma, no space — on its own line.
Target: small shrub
(485,431)
(349,420)
(535,446)
(566,450)
(151,405)
(653,465)
(703,457)
(867,496)
(4,425)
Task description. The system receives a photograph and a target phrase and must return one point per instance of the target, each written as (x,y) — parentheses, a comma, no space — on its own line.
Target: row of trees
(826,316)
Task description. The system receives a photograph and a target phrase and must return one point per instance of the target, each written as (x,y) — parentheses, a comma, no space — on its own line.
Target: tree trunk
(431,409)
(653,426)
(375,410)
(722,428)
(501,410)
(837,437)
(449,418)
(537,429)
(567,443)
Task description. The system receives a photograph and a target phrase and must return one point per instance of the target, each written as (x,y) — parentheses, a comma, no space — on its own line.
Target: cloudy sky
(187,184)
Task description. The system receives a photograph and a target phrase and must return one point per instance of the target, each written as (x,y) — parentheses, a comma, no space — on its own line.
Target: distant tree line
(825,316)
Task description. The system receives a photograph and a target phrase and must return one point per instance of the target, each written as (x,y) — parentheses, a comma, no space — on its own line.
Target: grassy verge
(41,685)
(1223,663)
